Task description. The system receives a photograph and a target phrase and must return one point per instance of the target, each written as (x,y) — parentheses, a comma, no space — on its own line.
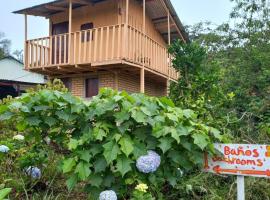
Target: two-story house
(120,44)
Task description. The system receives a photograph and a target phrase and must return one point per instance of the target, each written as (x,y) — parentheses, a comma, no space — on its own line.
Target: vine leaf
(68,164)
(83,170)
(200,140)
(126,145)
(123,165)
(111,150)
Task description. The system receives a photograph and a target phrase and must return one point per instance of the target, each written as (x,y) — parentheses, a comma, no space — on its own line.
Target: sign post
(240,160)
(240,187)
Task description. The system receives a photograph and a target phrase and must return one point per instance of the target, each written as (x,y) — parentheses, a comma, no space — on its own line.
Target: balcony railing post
(69,31)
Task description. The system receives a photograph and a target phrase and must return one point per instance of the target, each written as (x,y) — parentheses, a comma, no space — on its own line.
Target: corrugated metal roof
(12,70)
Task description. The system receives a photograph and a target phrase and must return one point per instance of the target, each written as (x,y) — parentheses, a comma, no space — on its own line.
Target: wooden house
(120,44)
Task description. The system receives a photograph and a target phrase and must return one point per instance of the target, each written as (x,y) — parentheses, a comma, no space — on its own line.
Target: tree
(4,45)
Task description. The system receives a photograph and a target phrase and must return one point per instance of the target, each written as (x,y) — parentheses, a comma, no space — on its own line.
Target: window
(91,87)
(84,27)
(67,83)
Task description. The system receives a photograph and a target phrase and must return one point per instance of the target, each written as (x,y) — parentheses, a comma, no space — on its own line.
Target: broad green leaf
(201,140)
(71,182)
(95,180)
(165,144)
(139,149)
(122,116)
(50,121)
(111,150)
(33,121)
(126,145)
(189,113)
(83,170)
(123,165)
(172,117)
(73,144)
(108,180)
(100,165)
(6,116)
(216,133)
(85,155)
(99,133)
(175,135)
(182,131)
(68,164)
(4,193)
(138,116)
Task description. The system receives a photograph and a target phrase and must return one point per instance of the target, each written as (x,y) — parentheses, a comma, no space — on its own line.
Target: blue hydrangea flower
(148,163)
(4,149)
(108,195)
(34,172)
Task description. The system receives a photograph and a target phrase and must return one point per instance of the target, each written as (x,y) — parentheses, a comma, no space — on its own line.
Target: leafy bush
(101,140)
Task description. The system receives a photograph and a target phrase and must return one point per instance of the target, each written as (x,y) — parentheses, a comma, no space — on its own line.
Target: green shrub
(101,140)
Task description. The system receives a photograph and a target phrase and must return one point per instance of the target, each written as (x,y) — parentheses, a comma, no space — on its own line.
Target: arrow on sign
(219,170)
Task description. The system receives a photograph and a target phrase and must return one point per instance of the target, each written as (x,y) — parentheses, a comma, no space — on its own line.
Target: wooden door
(57,29)
(91,87)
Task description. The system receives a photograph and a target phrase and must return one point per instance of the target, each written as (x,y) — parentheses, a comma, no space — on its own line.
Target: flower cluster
(34,172)
(18,137)
(4,149)
(142,187)
(148,163)
(108,195)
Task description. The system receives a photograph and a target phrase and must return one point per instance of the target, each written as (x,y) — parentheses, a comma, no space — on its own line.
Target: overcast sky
(189,11)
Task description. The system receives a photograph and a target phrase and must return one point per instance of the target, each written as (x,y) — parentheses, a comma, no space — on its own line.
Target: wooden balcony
(98,47)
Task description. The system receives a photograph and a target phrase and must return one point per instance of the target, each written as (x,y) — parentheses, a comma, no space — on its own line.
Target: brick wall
(126,81)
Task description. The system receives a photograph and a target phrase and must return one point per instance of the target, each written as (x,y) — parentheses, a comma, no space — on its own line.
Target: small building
(120,44)
(14,80)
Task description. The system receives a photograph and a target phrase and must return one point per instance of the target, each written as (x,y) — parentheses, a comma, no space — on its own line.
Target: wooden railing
(103,44)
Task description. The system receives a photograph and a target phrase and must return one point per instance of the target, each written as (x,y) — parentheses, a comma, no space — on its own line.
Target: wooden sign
(240,159)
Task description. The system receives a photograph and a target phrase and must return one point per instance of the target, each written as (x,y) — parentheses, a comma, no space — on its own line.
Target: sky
(189,11)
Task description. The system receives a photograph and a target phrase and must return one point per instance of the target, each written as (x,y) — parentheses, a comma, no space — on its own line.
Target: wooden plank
(55,49)
(95,44)
(26,44)
(41,53)
(36,53)
(119,41)
(85,44)
(75,48)
(113,42)
(60,49)
(51,50)
(80,47)
(69,30)
(107,43)
(101,44)
(65,48)
(90,45)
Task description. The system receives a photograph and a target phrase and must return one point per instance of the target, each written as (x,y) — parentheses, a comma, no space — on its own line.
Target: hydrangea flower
(4,149)
(148,163)
(34,172)
(18,137)
(108,195)
(142,187)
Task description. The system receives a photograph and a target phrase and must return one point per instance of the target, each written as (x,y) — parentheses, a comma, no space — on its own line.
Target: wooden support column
(69,31)
(25,42)
(169,56)
(142,72)
(125,41)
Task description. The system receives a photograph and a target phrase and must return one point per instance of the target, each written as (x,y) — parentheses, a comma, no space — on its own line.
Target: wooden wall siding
(136,20)
(100,14)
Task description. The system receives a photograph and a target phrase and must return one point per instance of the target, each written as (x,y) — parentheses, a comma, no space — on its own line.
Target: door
(57,29)
(91,87)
